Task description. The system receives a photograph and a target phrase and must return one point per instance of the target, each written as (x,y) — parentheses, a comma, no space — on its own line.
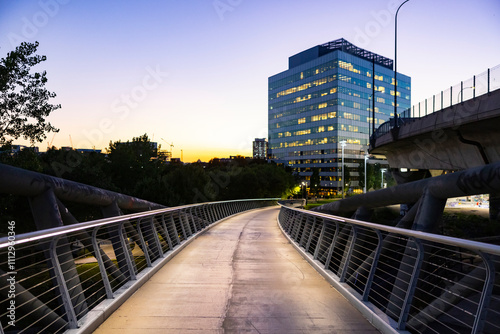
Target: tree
(131,161)
(315,181)
(24,100)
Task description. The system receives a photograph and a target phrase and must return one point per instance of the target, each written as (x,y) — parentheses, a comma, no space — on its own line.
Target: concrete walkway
(241,276)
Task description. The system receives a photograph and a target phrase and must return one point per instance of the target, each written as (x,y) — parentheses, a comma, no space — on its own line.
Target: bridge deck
(240,276)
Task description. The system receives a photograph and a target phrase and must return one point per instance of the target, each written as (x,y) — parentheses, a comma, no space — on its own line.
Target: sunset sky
(194,72)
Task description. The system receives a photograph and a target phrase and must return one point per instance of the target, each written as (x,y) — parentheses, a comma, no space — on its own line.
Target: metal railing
(478,85)
(416,282)
(66,277)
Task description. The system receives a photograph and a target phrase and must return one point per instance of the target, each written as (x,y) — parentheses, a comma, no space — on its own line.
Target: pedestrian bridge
(232,267)
(256,265)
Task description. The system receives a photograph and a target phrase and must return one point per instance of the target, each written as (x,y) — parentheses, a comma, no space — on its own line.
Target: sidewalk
(241,276)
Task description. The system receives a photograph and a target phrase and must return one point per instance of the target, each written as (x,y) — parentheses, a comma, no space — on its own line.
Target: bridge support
(495,207)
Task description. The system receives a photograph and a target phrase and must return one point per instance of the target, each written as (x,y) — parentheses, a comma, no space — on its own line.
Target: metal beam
(22,182)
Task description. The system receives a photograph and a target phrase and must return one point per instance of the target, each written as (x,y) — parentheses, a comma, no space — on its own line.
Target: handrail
(478,85)
(71,277)
(408,281)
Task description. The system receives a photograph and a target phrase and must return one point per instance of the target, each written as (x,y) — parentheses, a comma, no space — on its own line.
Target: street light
(383,170)
(396,66)
(366,158)
(343,143)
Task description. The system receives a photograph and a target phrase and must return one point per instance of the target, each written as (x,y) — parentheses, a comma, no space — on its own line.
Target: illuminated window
(321,129)
(302,120)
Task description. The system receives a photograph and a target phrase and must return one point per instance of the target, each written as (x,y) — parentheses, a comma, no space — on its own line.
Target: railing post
(425,107)
(474,87)
(461,92)
(316,251)
(155,237)
(347,256)
(433,103)
(371,274)
(412,284)
(172,220)
(169,241)
(193,220)
(332,246)
(61,285)
(311,235)
(303,236)
(184,221)
(100,262)
(145,247)
(484,301)
(442,95)
(488,81)
(127,253)
(299,225)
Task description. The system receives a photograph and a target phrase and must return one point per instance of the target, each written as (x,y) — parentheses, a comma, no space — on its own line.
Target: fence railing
(63,278)
(478,85)
(417,282)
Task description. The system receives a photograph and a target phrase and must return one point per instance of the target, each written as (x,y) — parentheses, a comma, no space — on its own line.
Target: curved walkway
(240,276)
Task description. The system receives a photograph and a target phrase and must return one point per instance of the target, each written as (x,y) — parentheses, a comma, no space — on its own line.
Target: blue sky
(194,72)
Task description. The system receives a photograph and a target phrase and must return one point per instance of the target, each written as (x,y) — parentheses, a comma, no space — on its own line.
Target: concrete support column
(405,177)
(495,207)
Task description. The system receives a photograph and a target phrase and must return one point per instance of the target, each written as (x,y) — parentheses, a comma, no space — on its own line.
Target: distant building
(13,149)
(260,148)
(325,98)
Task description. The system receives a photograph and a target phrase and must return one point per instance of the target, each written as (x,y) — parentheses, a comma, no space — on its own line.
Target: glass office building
(325,97)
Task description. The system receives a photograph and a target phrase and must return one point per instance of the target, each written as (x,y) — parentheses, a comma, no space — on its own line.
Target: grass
(311,205)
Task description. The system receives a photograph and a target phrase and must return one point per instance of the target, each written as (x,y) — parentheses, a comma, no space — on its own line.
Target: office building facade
(326,97)
(260,148)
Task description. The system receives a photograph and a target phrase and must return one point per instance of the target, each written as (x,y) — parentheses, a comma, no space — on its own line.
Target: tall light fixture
(343,143)
(396,66)
(382,183)
(366,158)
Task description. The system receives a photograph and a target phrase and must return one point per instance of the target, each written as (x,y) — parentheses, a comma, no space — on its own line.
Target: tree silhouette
(24,100)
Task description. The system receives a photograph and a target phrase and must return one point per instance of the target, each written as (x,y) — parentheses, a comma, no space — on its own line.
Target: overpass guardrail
(408,281)
(469,89)
(70,278)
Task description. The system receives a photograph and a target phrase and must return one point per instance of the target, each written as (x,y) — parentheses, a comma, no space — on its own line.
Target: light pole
(396,66)
(343,143)
(382,183)
(366,158)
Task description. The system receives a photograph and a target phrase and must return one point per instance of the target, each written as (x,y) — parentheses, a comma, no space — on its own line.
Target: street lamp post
(382,183)
(396,65)
(343,143)
(366,158)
